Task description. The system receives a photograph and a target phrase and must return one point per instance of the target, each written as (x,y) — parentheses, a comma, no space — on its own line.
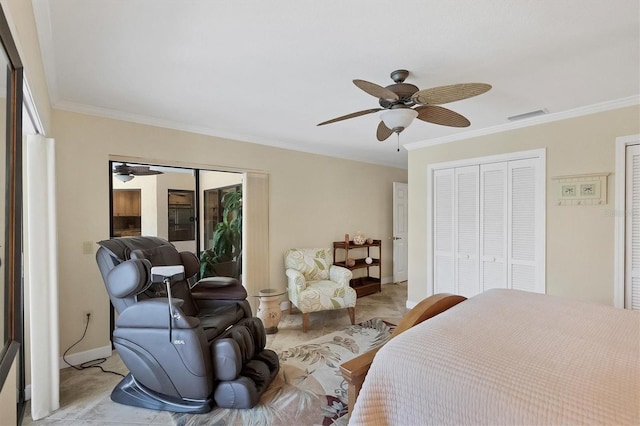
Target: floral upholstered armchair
(315,284)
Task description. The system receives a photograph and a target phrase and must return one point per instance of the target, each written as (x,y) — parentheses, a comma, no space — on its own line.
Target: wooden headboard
(355,370)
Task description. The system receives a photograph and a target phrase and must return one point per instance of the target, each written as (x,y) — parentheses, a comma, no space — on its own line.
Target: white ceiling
(269,71)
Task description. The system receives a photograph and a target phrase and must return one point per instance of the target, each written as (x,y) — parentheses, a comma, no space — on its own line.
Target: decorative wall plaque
(589,189)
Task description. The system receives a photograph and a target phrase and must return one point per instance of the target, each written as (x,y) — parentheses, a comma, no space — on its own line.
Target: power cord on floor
(89,364)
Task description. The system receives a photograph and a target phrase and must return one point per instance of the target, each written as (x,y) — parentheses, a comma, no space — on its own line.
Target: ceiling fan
(402,102)
(125,172)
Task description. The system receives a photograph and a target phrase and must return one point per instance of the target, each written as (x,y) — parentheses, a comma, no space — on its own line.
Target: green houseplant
(219,260)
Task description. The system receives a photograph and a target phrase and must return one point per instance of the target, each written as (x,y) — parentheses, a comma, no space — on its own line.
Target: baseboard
(76,359)
(81,357)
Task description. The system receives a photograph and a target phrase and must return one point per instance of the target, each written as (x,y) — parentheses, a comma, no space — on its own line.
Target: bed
(502,357)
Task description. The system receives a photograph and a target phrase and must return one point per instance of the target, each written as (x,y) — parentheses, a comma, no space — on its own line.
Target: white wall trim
(86,356)
(548,118)
(410,304)
(431,168)
(498,158)
(32,118)
(539,154)
(620,215)
(207,131)
(42,16)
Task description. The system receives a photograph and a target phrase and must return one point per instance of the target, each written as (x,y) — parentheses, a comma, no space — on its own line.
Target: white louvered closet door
(443,191)
(466,205)
(488,227)
(632,250)
(523,226)
(493,226)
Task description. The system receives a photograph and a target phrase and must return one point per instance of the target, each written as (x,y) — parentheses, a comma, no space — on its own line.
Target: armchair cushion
(325,295)
(313,263)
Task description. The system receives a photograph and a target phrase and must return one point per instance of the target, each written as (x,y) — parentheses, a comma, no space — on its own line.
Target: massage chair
(188,344)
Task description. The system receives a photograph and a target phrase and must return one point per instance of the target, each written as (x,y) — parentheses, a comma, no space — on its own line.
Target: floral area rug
(309,389)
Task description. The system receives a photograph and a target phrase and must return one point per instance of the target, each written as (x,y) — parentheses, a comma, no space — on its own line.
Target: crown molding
(201,130)
(548,118)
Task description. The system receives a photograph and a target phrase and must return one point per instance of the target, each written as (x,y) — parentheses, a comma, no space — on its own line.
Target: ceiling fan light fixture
(124,177)
(398,118)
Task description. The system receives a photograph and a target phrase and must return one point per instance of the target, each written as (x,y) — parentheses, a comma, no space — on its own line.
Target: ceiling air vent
(529,114)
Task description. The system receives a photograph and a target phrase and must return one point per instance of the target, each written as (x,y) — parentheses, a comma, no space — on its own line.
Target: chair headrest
(158,256)
(129,278)
(121,248)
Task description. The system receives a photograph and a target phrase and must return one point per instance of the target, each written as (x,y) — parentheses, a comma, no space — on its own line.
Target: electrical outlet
(86,315)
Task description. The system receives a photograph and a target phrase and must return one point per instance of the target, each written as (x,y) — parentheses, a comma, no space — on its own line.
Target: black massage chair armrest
(219,288)
(154,313)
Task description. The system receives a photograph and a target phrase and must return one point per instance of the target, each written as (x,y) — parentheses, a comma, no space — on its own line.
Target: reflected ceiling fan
(124,172)
(403,102)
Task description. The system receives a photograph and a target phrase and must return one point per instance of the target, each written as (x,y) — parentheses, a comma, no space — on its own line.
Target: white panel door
(493,226)
(632,249)
(443,272)
(524,227)
(466,234)
(400,231)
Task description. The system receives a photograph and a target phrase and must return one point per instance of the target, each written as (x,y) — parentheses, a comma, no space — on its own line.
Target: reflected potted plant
(223,258)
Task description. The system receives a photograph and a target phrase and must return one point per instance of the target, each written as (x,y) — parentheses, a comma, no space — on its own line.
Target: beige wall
(579,250)
(313,200)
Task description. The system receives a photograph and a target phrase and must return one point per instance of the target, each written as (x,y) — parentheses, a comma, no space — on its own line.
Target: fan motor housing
(404,92)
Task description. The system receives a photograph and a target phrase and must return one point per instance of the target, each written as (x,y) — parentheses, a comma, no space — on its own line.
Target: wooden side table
(269,309)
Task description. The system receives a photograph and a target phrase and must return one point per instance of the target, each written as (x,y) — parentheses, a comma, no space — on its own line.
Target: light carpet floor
(84,395)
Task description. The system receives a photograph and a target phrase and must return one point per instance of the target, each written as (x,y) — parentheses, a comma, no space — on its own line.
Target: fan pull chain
(398,134)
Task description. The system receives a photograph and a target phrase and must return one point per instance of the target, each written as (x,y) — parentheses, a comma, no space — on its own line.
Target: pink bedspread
(509,357)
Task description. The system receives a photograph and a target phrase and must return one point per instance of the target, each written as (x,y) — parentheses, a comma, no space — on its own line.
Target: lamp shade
(123,177)
(398,118)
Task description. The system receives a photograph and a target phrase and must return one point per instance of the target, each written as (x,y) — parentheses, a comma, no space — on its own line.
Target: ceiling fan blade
(443,116)
(383,132)
(121,168)
(445,94)
(143,171)
(375,90)
(146,172)
(352,115)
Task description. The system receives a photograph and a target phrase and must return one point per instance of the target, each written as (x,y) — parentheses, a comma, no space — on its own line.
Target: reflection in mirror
(162,201)
(222,224)
(182,215)
(3,184)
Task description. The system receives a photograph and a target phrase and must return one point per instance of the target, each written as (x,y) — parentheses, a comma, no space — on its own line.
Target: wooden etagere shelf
(367,284)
